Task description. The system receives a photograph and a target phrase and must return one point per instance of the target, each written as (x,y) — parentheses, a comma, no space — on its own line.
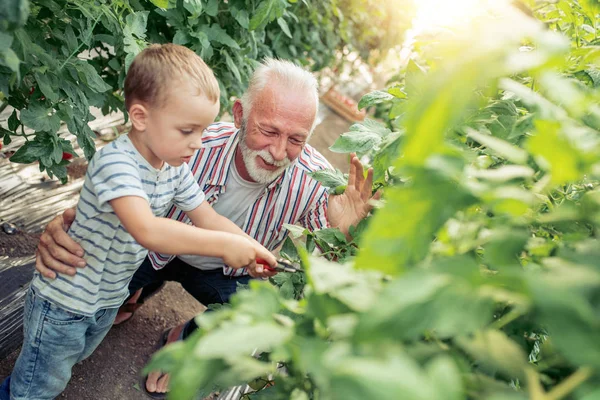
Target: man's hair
(289,75)
(155,70)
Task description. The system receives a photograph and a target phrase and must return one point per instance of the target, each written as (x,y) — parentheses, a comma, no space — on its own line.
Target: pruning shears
(282,266)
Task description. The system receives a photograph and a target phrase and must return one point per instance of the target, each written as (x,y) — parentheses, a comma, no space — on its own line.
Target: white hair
(289,75)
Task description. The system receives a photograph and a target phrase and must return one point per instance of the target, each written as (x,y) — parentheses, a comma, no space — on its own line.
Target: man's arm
(57,252)
(354,204)
(164,235)
(206,217)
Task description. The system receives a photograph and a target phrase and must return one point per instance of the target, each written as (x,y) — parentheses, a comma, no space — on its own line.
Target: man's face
(275,132)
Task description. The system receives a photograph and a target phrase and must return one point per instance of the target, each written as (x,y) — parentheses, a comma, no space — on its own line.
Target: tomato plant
(58,58)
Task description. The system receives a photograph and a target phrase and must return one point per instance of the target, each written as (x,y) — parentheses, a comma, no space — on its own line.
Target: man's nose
(279,149)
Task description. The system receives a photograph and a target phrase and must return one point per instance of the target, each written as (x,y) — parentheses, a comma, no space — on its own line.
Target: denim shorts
(54,340)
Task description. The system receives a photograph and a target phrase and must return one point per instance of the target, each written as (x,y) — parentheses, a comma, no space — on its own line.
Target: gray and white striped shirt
(111,253)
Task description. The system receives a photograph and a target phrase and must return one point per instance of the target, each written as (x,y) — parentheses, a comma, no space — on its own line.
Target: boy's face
(174,130)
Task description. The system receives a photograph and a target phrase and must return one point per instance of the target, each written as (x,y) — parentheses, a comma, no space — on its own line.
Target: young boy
(171,96)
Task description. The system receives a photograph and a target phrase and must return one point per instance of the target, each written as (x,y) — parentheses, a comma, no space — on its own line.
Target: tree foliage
(58,58)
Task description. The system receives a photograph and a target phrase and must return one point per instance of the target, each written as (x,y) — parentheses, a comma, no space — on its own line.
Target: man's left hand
(354,204)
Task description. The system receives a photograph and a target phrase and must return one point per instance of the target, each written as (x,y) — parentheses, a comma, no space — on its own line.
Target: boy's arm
(204,216)
(164,235)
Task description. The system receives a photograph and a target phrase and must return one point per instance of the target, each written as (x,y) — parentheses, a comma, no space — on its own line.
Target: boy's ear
(138,114)
(238,113)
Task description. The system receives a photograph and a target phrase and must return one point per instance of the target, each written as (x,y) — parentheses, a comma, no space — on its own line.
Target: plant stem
(3,106)
(536,392)
(569,384)
(80,45)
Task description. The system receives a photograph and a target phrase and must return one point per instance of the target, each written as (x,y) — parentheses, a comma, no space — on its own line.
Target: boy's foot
(127,310)
(157,383)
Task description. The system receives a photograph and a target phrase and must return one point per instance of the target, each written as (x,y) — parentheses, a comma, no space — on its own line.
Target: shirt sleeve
(114,174)
(316,217)
(188,194)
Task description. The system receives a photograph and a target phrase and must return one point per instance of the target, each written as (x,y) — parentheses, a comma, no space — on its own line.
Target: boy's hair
(153,72)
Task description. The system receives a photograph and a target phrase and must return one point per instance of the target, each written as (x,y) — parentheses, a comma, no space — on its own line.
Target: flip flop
(142,381)
(131,308)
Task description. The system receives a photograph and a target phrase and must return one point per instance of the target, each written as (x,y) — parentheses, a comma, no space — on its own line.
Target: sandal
(142,382)
(131,308)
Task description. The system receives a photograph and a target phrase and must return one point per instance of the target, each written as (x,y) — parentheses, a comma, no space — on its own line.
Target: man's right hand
(57,252)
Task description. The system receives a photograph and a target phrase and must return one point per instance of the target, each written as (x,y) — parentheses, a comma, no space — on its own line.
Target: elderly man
(254,172)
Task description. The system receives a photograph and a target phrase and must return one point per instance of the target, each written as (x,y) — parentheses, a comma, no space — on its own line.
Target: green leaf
(90,76)
(397,92)
(376,97)
(496,352)
(45,85)
(356,142)
(194,7)
(241,16)
(399,234)
(262,14)
(231,340)
(11,60)
(31,151)
(503,148)
(446,378)
(504,247)
(329,178)
(232,67)
(413,77)
(13,121)
(38,118)
(13,14)
(164,4)
(212,8)
(295,230)
(181,38)
(554,152)
(6,41)
(217,34)
(504,173)
(370,125)
(136,23)
(284,27)
(288,250)
(85,141)
(331,235)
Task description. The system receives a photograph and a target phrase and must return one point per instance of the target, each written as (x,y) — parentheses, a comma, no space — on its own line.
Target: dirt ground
(112,372)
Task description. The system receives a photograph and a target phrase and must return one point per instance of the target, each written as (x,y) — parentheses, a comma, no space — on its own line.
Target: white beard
(258,174)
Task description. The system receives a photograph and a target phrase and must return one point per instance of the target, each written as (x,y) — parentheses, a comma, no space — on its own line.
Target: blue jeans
(207,286)
(54,340)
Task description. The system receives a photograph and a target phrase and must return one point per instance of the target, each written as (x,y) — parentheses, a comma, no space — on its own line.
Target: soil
(77,168)
(19,244)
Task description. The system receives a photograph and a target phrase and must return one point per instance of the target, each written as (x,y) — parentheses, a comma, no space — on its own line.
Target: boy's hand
(241,252)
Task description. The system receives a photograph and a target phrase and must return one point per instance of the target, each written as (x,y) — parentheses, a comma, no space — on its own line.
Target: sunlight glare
(438,14)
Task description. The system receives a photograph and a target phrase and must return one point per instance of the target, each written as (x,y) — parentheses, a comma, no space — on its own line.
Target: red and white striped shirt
(293,198)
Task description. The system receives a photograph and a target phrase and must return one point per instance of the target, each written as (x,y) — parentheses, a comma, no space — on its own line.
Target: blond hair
(154,71)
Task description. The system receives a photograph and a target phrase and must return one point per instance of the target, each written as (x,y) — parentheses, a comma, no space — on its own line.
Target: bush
(480,276)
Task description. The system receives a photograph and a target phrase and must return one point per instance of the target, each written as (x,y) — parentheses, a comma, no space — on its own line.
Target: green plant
(479,278)
(58,58)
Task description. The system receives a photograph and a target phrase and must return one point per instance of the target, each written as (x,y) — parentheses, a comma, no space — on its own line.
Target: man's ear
(138,114)
(238,113)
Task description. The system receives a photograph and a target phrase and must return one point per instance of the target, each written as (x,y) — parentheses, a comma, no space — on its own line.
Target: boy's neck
(136,138)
